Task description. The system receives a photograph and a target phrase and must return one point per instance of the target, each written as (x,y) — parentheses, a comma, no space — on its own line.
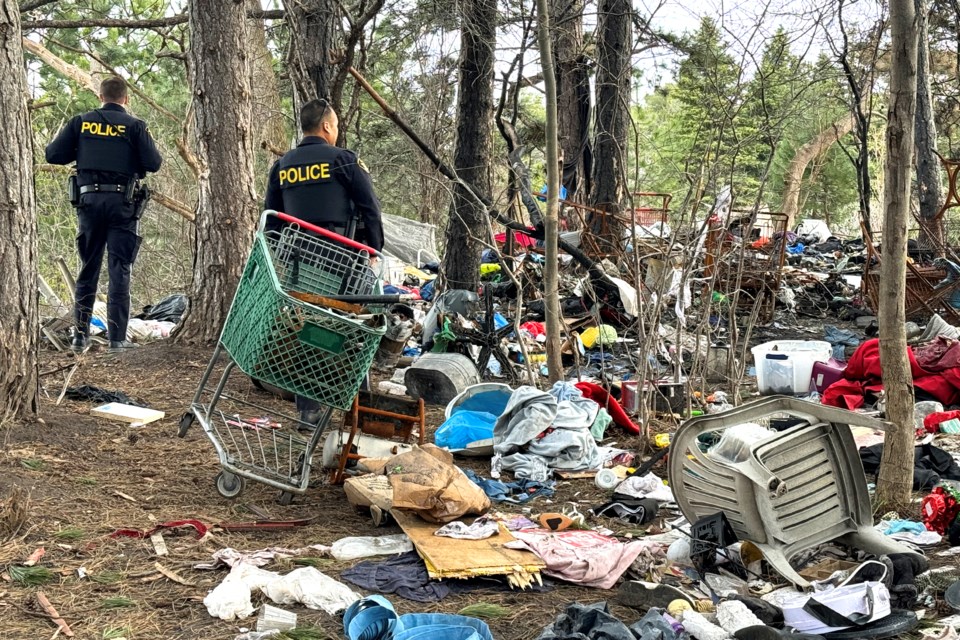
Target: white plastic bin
(785,366)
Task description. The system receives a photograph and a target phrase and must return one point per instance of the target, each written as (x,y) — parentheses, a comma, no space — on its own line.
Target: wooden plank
(454,558)
(135,416)
(576,475)
(159,546)
(323,301)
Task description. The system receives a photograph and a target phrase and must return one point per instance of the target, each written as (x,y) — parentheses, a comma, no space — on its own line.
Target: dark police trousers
(308,404)
(104,221)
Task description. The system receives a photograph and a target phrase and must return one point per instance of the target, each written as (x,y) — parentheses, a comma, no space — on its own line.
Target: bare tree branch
(30,5)
(125,23)
(61,66)
(163,200)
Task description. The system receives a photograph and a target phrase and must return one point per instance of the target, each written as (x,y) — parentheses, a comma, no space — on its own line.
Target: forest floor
(87,477)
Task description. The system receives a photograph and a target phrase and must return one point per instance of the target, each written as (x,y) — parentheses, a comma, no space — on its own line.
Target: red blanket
(599,395)
(937,376)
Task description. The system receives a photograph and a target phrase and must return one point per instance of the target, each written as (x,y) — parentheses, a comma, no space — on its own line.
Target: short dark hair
(313,113)
(113,89)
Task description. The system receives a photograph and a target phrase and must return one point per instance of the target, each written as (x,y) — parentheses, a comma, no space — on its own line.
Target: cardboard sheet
(454,558)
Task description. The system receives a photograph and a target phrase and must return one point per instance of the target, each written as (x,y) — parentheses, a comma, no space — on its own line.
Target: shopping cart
(307,317)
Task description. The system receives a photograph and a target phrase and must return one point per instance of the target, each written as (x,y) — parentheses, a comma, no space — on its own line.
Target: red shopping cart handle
(325,232)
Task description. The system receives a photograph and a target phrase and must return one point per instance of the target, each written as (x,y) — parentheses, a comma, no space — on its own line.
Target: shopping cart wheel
(185,423)
(229,485)
(284,498)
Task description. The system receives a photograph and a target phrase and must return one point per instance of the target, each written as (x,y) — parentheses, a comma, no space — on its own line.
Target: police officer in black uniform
(113,150)
(327,186)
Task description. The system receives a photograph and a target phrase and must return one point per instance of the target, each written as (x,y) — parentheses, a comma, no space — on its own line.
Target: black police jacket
(326,186)
(109,145)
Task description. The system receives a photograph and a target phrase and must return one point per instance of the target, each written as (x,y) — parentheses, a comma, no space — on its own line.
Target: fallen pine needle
(30,576)
(485,610)
(119,602)
(304,633)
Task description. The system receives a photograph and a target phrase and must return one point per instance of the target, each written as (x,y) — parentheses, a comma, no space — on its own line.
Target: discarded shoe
(768,613)
(119,346)
(643,595)
(769,633)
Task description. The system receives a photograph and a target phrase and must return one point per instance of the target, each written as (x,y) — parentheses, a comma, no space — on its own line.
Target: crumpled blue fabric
(840,338)
(796,249)
(440,626)
(370,618)
(899,526)
(520,491)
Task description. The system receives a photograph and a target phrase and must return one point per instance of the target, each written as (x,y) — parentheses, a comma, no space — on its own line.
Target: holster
(73,190)
(141,196)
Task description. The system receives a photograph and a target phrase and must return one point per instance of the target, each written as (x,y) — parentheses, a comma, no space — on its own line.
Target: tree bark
(813,149)
(466,224)
(227,205)
(929,189)
(614,44)
(551,286)
(316,40)
(18,229)
(573,96)
(896,468)
(267,111)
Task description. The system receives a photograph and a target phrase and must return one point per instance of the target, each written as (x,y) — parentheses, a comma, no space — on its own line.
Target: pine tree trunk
(614,44)
(896,468)
(929,188)
(227,202)
(461,259)
(573,94)
(316,38)
(551,286)
(18,229)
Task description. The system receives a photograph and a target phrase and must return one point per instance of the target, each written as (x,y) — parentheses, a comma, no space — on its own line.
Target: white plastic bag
(735,442)
(312,589)
(366,546)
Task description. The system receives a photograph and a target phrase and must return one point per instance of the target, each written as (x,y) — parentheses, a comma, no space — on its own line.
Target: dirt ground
(85,477)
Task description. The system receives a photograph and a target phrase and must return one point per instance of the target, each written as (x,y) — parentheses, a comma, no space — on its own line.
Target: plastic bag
(312,589)
(735,442)
(366,546)
(464,427)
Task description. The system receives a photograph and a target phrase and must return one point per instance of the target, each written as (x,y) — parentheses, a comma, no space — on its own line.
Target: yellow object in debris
(489,269)
(677,607)
(604,334)
(661,440)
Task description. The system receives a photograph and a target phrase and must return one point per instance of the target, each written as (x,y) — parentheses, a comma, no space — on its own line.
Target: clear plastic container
(785,366)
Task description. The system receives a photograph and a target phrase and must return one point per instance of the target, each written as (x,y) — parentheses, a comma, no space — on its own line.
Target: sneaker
(119,346)
(80,343)
(309,419)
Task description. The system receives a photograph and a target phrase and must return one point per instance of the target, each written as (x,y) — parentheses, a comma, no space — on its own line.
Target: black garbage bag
(170,309)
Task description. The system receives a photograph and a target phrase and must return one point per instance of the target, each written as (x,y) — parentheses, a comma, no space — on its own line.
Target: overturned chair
(793,491)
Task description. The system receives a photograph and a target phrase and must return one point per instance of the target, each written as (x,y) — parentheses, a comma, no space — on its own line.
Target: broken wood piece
(159,546)
(172,575)
(34,557)
(134,416)
(323,301)
(60,622)
(66,381)
(121,494)
(576,475)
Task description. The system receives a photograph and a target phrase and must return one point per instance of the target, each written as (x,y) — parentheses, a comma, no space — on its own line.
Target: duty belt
(103,188)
